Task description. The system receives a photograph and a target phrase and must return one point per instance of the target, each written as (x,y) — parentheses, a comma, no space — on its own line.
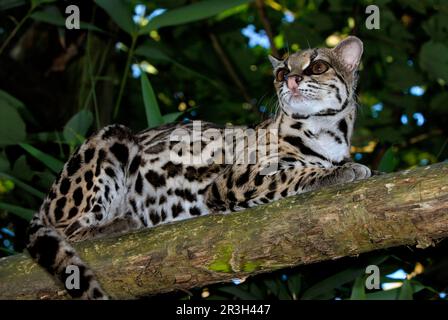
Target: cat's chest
(330,148)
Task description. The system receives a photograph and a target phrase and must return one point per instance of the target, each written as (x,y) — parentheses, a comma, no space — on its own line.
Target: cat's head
(317,81)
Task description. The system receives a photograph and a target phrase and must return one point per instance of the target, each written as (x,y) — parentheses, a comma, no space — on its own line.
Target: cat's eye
(281,74)
(318,67)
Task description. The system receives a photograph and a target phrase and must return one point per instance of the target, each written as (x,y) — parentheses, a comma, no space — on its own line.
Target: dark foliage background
(144,63)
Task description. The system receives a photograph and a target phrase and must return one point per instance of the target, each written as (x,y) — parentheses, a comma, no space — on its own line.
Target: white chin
(301,105)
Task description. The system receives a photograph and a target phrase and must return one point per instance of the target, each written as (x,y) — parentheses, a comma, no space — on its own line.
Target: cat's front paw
(352,171)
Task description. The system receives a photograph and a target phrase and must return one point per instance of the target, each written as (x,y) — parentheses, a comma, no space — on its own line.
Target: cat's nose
(293,81)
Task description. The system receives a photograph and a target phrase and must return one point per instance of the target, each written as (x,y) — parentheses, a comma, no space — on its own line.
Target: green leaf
(283,292)
(43,136)
(383,295)
(12,127)
(232,11)
(437,27)
(24,186)
(401,77)
(417,287)
(52,163)
(152,53)
(256,291)
(389,134)
(6,98)
(272,286)
(307,37)
(358,289)
(278,288)
(9,4)
(439,103)
(22,170)
(8,251)
(153,115)
(294,285)
(35,3)
(45,179)
(53,16)
(21,212)
(416,5)
(76,128)
(389,161)
(121,12)
(171,117)
(4,163)
(238,292)
(434,59)
(406,291)
(189,13)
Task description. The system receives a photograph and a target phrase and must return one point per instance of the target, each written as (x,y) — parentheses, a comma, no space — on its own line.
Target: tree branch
(404,208)
(229,67)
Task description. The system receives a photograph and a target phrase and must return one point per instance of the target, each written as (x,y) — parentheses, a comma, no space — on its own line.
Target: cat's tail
(53,252)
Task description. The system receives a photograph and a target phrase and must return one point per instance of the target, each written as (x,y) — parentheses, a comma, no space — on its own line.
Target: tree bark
(404,208)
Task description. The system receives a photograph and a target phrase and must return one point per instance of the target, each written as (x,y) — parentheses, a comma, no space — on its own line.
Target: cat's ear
(275,62)
(349,52)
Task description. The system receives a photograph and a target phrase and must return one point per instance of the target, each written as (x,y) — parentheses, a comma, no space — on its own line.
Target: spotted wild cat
(118,181)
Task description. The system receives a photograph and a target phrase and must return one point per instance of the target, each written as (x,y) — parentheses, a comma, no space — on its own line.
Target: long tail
(53,252)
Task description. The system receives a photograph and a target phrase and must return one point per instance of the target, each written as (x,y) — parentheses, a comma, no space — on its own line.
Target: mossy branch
(404,208)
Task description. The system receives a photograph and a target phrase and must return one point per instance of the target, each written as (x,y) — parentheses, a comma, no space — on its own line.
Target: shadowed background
(145,63)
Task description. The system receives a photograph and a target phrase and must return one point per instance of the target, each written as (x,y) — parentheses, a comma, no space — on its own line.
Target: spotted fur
(118,181)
